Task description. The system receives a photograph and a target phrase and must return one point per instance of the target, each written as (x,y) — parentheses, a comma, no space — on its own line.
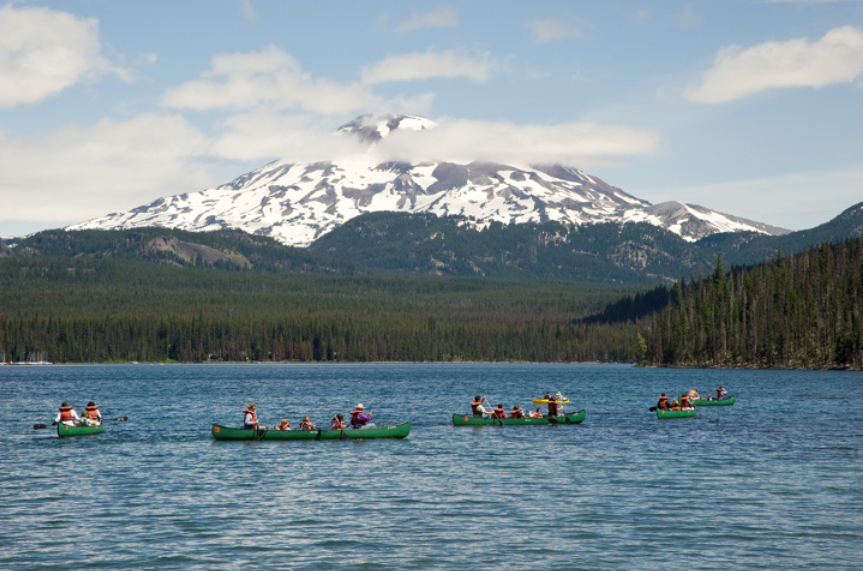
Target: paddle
(41,426)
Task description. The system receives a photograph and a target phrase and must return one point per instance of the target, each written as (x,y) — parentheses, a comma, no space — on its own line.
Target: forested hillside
(799,311)
(100,310)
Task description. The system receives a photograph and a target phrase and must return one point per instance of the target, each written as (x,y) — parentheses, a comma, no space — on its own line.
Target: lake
(773,482)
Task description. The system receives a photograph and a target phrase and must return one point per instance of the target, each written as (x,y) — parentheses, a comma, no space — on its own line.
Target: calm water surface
(773,482)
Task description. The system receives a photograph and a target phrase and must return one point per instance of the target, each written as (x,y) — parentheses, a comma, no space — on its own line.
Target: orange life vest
(338,424)
(663,402)
(684,402)
(282,426)
(66,413)
(254,416)
(516,413)
(498,412)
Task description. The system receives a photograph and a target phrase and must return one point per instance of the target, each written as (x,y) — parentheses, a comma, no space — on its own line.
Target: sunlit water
(773,482)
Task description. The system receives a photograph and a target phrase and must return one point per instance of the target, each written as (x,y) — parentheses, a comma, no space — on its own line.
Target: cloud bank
(43,52)
(736,73)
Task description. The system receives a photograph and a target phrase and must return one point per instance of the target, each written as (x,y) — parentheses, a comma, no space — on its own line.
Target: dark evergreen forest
(798,311)
(107,310)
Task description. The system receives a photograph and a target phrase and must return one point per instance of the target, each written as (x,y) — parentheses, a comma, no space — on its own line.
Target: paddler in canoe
(338,422)
(359,418)
(307,425)
(721,393)
(477,408)
(250,417)
(516,412)
(284,425)
(498,412)
(91,415)
(553,406)
(536,414)
(67,415)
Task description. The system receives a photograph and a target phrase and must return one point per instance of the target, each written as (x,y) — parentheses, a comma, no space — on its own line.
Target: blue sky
(750,107)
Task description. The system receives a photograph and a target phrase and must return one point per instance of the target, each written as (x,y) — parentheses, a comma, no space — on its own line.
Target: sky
(748,107)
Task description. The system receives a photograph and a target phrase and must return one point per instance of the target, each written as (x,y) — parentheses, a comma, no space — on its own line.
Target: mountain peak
(372,128)
(296,202)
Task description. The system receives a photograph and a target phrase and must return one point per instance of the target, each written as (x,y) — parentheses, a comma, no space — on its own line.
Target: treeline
(108,310)
(798,311)
(306,338)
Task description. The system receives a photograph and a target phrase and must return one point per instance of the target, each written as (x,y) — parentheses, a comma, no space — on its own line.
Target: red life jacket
(552,407)
(66,413)
(498,412)
(282,426)
(474,405)
(516,413)
(684,402)
(92,412)
(663,402)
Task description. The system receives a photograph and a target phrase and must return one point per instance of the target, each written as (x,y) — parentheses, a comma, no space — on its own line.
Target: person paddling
(284,425)
(498,412)
(721,393)
(553,407)
(250,417)
(477,408)
(663,402)
(359,418)
(307,424)
(536,414)
(338,422)
(93,414)
(516,412)
(67,415)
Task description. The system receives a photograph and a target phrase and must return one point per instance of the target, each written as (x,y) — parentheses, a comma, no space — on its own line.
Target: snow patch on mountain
(297,202)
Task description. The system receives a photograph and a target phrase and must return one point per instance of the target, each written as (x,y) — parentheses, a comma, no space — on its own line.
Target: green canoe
(728,401)
(662,414)
(64,430)
(573,418)
(228,433)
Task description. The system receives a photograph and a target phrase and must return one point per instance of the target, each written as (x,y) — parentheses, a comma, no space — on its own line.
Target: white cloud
(274,79)
(582,144)
(43,52)
(737,73)
(553,29)
(444,16)
(424,65)
(75,173)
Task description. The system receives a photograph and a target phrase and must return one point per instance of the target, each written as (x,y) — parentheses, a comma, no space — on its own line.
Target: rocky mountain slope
(296,203)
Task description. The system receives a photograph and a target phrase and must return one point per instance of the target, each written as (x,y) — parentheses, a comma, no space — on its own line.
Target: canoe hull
(724,402)
(664,414)
(227,433)
(65,431)
(573,418)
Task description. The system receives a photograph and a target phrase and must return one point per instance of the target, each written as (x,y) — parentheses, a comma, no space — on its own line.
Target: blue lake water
(773,482)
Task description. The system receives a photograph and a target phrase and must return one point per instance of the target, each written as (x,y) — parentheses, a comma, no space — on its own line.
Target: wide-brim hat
(360,406)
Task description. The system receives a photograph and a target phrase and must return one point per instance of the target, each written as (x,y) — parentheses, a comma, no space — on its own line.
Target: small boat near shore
(65,430)
(220,432)
(667,413)
(465,420)
(728,401)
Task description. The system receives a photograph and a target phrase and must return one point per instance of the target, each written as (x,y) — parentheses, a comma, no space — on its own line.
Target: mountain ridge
(298,202)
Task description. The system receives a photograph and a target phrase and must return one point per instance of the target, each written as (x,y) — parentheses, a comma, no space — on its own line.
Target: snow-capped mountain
(296,203)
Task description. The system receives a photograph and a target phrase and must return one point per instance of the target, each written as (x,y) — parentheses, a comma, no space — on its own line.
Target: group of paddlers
(359,419)
(686,400)
(90,416)
(553,402)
